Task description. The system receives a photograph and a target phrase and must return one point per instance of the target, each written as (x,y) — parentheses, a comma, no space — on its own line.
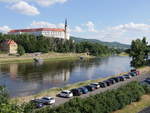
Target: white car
(48,100)
(96,85)
(66,93)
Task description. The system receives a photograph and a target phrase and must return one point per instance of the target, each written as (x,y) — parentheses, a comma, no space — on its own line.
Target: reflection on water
(30,78)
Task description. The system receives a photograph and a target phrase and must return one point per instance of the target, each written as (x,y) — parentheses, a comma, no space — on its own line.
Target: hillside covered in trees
(30,44)
(116,45)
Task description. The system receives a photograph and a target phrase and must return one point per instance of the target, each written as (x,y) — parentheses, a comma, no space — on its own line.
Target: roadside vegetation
(106,102)
(30,44)
(136,107)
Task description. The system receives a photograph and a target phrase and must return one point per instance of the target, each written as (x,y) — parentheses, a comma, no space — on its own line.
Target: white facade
(47,32)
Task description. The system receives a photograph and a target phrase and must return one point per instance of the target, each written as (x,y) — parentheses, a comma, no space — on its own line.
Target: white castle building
(47,32)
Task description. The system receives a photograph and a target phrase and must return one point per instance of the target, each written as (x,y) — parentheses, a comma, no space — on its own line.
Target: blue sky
(107,20)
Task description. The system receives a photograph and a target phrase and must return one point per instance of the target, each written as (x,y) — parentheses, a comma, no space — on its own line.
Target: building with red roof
(9,46)
(47,32)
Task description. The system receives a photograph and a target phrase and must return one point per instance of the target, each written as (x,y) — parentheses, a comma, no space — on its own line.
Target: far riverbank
(51,56)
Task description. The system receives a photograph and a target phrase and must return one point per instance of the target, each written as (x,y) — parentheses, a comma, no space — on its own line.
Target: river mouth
(29,78)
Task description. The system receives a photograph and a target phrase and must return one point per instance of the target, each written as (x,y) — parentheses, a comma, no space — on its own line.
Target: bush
(5,106)
(146,88)
(21,50)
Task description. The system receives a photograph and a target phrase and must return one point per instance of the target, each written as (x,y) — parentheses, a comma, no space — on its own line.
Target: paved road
(146,110)
(60,100)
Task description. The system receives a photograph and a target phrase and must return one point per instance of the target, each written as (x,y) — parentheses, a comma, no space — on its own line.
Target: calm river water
(30,78)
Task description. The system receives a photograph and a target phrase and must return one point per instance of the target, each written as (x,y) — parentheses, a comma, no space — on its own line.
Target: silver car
(66,94)
(48,100)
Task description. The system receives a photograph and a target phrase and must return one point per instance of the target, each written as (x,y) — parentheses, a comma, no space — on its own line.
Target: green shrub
(146,88)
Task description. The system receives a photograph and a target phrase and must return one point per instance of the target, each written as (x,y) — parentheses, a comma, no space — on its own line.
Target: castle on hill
(47,32)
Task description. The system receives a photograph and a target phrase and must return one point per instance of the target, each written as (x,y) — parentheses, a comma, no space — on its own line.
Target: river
(23,79)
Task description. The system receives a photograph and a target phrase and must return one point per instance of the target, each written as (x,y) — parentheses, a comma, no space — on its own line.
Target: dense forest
(30,44)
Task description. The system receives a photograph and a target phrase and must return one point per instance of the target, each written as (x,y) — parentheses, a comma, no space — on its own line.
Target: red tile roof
(36,29)
(9,42)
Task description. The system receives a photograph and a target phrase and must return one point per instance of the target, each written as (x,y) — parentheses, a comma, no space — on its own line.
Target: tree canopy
(139,52)
(30,43)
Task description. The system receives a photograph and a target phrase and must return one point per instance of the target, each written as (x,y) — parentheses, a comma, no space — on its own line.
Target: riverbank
(53,91)
(51,56)
(123,54)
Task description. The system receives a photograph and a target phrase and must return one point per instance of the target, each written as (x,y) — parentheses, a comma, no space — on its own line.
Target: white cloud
(61,25)
(78,29)
(124,33)
(91,26)
(4,29)
(132,26)
(49,2)
(24,8)
(35,24)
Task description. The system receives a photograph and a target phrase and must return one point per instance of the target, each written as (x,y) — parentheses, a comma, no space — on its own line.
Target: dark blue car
(122,78)
(84,90)
(90,87)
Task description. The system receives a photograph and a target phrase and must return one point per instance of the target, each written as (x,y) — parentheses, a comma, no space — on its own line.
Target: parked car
(146,82)
(84,90)
(96,85)
(76,92)
(116,79)
(112,81)
(132,74)
(37,103)
(66,94)
(102,84)
(127,76)
(135,71)
(48,100)
(122,78)
(109,82)
(90,87)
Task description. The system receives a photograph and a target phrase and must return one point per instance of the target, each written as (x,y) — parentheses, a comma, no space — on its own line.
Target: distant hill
(109,44)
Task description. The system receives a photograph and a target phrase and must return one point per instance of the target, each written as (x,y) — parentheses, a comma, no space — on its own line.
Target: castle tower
(66,29)
(67,36)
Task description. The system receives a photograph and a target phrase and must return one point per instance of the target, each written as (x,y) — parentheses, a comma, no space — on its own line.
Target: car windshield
(47,98)
(69,92)
(64,92)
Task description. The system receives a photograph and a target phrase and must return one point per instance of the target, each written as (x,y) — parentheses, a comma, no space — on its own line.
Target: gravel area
(60,100)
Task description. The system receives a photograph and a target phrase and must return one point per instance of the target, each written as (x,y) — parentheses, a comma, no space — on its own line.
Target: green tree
(21,50)
(139,52)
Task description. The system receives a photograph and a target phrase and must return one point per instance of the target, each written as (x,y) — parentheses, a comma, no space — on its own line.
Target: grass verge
(27,58)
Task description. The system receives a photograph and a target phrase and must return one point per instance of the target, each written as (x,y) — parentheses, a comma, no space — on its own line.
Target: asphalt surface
(60,100)
(146,110)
